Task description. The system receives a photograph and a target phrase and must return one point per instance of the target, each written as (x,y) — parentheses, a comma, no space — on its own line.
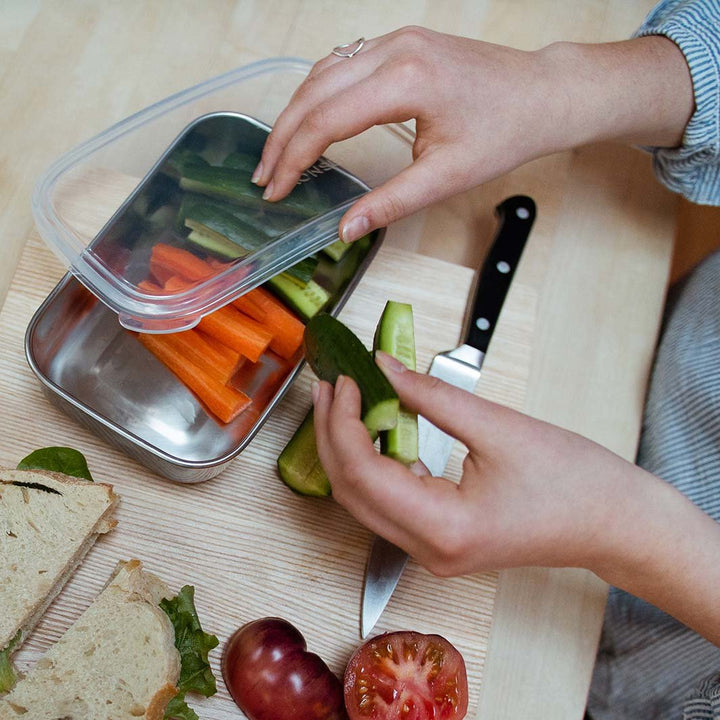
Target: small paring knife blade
(459,367)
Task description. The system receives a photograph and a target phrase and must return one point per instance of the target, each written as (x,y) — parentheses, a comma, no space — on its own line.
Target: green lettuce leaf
(7,670)
(57,459)
(194,645)
(178,709)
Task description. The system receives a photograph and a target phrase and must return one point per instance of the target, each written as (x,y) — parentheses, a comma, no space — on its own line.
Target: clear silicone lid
(158,217)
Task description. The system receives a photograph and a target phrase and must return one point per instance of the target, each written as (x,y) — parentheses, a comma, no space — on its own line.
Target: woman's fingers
(478,423)
(314,125)
(326,80)
(399,503)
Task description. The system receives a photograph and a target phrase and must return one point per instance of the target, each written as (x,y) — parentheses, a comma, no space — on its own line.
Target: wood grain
(249,545)
(578,328)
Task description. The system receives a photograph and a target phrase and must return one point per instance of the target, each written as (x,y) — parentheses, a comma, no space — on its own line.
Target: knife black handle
(516,215)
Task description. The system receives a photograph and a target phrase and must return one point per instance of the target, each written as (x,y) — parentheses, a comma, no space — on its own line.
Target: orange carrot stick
(193,345)
(159,273)
(176,284)
(147,286)
(286,328)
(229,354)
(179,262)
(222,400)
(237,331)
(250,305)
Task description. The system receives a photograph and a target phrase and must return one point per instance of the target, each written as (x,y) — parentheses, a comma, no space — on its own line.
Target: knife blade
(459,367)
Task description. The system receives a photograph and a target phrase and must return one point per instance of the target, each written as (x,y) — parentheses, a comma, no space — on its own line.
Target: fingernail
(339,383)
(315,391)
(268,191)
(258,173)
(388,362)
(355,228)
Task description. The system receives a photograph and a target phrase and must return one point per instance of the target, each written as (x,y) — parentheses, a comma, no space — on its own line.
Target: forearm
(638,91)
(665,550)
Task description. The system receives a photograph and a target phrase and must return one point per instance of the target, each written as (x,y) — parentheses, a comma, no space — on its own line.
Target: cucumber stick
(395,335)
(306,299)
(299,465)
(332,349)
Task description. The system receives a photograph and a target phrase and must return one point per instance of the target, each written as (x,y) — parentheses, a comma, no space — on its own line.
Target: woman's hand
(480,110)
(530,494)
(470,100)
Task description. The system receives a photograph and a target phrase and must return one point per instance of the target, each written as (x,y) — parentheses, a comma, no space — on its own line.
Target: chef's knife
(459,367)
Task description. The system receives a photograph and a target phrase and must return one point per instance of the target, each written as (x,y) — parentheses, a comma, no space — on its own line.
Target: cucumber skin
(396,321)
(299,465)
(389,328)
(332,349)
(305,300)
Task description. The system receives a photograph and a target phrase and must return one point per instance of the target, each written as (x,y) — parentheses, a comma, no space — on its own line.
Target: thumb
(407,192)
(459,413)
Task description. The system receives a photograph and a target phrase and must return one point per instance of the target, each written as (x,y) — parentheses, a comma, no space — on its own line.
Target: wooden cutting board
(250,546)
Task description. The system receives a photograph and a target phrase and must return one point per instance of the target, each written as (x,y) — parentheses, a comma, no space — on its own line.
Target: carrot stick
(179,262)
(150,287)
(237,331)
(248,304)
(193,345)
(159,273)
(286,328)
(176,284)
(228,353)
(222,400)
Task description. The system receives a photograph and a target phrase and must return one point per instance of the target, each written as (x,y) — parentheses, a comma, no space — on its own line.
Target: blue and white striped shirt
(649,666)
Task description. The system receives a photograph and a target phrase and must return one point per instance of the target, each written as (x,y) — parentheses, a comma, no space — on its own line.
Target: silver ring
(349,49)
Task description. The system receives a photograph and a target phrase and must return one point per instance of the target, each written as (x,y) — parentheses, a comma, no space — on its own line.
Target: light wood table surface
(592,280)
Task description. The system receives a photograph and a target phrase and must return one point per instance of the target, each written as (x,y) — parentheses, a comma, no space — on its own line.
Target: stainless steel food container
(100,375)
(96,370)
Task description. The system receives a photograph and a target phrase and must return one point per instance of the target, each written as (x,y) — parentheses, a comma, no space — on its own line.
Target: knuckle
(434,385)
(318,119)
(389,206)
(347,479)
(407,70)
(448,550)
(414,35)
(321,65)
(448,556)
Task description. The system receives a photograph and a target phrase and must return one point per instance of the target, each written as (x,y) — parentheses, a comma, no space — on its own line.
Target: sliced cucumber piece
(395,335)
(336,250)
(213,242)
(306,299)
(299,465)
(332,349)
(228,183)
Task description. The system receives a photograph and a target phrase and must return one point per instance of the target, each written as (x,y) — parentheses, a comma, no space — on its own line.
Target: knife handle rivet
(482,324)
(523,213)
(503,267)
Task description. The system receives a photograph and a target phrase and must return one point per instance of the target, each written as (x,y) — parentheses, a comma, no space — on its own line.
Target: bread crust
(131,599)
(156,707)
(37,606)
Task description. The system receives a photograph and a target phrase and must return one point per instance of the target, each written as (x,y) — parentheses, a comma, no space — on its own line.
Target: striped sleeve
(704,702)
(693,168)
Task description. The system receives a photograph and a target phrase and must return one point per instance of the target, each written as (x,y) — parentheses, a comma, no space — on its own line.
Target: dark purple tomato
(271,675)
(406,676)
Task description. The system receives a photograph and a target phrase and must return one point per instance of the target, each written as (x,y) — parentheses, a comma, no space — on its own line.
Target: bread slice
(48,522)
(117,662)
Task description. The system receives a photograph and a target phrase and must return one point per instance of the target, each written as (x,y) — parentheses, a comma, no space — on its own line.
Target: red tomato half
(406,676)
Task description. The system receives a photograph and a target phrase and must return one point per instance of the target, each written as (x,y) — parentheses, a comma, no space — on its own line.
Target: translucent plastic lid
(159,219)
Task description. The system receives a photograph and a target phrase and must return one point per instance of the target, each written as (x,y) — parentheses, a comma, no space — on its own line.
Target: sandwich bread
(117,662)
(48,522)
